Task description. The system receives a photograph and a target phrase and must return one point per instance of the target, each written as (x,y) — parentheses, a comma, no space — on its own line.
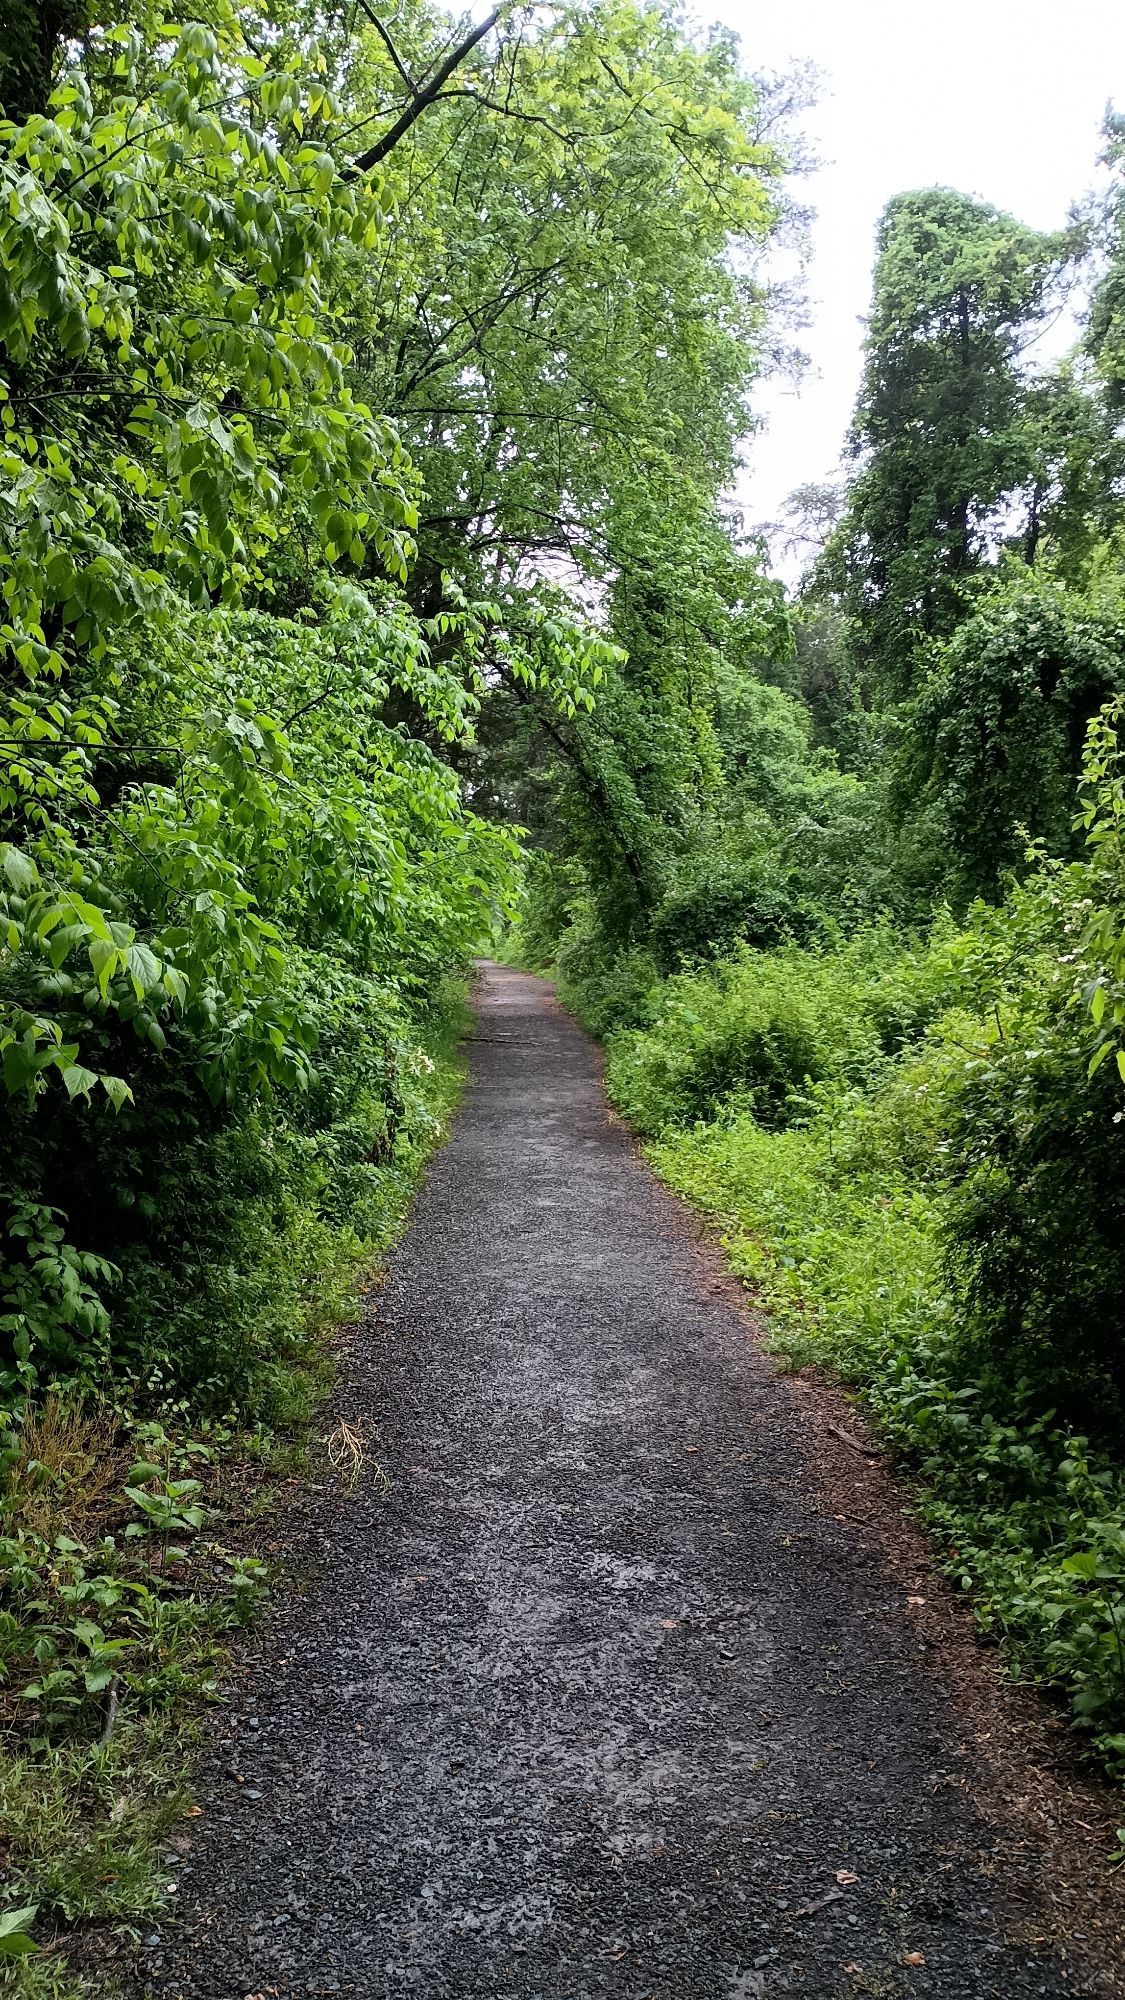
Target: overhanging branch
(423,98)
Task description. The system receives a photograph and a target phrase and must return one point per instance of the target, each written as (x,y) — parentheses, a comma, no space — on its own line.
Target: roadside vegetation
(371,393)
(138,1532)
(850,917)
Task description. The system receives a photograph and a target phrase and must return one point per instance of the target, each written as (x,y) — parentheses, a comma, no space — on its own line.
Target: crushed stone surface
(597,1698)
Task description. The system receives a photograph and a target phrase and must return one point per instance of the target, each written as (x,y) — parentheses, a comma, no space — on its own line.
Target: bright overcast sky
(998,98)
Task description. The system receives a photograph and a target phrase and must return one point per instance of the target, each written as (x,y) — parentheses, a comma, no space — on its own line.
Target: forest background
(372,397)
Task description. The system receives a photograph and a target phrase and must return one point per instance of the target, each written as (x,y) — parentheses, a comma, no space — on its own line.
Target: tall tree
(32,35)
(941,435)
(565,337)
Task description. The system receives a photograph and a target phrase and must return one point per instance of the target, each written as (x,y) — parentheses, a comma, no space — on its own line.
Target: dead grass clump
(69,1462)
(349,1456)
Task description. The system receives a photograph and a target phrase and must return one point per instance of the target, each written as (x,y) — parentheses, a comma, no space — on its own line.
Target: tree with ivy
(944,438)
(993,738)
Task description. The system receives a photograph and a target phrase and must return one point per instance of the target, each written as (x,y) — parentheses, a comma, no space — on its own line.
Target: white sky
(998,98)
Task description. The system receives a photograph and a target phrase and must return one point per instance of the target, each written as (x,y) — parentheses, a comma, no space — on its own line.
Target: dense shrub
(608,990)
(1035,1238)
(223,1238)
(721,902)
(743,1030)
(246,1067)
(993,738)
(758,1030)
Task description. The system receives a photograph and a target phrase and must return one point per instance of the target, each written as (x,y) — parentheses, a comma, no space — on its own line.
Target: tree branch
(422,99)
(591,782)
(508,111)
(384,37)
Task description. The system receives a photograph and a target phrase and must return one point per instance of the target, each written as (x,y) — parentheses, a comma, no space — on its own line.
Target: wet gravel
(598,1697)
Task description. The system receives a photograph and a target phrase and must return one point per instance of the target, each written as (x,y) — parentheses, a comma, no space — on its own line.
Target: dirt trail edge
(599,1697)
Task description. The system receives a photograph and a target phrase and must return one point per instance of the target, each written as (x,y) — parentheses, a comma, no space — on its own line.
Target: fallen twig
(865,1450)
(821,1903)
(113,1696)
(347,1454)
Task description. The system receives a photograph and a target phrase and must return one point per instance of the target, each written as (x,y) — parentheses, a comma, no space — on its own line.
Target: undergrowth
(131,1539)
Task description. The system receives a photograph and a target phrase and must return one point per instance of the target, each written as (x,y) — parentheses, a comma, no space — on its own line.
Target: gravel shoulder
(632,1679)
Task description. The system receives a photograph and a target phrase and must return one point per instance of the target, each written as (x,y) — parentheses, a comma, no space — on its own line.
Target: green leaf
(19,868)
(14,1940)
(117,1090)
(1084,1565)
(143,968)
(19,1067)
(144,1471)
(79,1081)
(1100,1055)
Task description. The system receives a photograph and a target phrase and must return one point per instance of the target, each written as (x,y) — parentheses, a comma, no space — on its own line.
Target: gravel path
(599,1697)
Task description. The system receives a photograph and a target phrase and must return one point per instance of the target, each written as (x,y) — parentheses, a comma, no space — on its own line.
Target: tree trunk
(31,33)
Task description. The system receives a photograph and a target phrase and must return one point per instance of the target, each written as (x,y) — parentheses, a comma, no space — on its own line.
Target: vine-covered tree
(943,437)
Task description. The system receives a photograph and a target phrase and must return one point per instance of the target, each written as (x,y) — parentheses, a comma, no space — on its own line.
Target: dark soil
(609,1691)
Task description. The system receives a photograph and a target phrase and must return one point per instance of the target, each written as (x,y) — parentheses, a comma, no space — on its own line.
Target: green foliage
(942,1229)
(1034,1242)
(15,1940)
(634,156)
(993,738)
(842,1237)
(114,1611)
(53,1315)
(712,905)
(639,159)
(1035,1239)
(758,1031)
(1099,977)
(964,585)
(236,862)
(356,506)
(916,1150)
(252,623)
(744,855)
(167,231)
(606,991)
(943,427)
(124,1568)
